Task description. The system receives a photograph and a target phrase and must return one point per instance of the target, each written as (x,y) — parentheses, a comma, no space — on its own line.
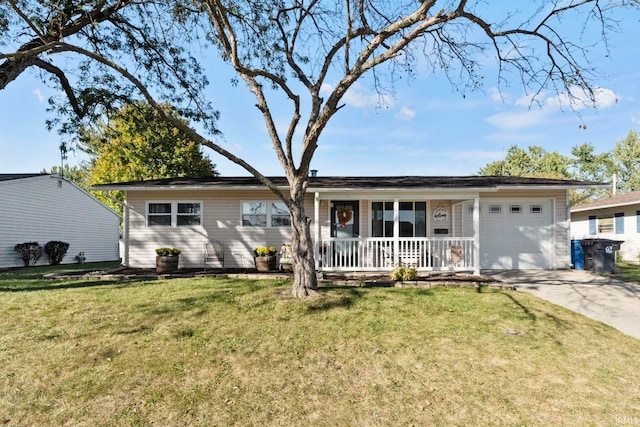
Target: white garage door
(516,235)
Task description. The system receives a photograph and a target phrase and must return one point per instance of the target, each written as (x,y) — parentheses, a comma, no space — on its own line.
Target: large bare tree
(296,49)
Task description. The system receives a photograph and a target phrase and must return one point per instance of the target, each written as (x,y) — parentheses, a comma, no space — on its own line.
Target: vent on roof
(313,172)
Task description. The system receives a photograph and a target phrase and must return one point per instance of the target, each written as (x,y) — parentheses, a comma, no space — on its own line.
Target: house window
(535,209)
(412,217)
(495,209)
(265,214)
(515,209)
(592,225)
(637,221)
(188,214)
(619,223)
(174,214)
(605,225)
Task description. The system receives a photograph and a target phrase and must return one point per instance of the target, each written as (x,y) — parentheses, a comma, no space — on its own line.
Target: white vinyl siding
(221,212)
(45,208)
(624,227)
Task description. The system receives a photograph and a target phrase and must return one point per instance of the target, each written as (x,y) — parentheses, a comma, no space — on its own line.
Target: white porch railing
(385,253)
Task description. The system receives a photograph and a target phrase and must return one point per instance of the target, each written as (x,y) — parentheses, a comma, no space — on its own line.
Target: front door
(345,219)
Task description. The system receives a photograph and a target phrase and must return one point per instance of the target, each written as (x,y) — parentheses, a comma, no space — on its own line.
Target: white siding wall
(45,208)
(222,221)
(630,249)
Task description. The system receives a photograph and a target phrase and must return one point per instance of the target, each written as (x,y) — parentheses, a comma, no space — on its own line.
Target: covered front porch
(379,233)
(384,254)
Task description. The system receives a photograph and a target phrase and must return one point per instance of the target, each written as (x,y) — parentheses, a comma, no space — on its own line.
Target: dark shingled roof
(12,176)
(617,200)
(355,182)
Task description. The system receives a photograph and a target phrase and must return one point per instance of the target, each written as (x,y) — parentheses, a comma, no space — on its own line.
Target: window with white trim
(174,214)
(515,209)
(265,214)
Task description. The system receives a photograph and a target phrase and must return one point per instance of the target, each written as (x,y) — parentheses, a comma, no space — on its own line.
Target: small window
(280,216)
(592,225)
(265,214)
(254,214)
(637,221)
(495,209)
(605,225)
(159,214)
(619,223)
(174,214)
(535,209)
(470,208)
(188,214)
(515,209)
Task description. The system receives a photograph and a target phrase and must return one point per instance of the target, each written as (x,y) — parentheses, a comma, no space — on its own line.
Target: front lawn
(242,352)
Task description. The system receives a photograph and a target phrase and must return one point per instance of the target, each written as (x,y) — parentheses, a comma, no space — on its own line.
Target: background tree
(136,144)
(291,50)
(626,156)
(532,162)
(586,165)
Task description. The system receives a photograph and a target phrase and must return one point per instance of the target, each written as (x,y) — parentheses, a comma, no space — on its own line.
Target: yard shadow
(79,284)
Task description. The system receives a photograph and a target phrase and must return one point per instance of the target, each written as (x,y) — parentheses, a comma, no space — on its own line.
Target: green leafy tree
(531,162)
(135,144)
(77,174)
(586,165)
(626,156)
(293,51)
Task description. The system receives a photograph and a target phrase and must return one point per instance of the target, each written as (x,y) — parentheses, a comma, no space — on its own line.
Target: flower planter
(265,263)
(167,264)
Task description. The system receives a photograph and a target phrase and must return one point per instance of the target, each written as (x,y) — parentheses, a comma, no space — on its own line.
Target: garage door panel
(521,240)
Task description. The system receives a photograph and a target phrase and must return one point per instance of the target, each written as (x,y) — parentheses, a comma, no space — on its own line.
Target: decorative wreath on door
(344,216)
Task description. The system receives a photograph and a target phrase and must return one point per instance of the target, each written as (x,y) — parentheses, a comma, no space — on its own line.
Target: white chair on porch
(213,252)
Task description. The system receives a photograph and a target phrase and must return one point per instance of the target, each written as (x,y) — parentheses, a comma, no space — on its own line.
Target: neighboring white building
(615,218)
(40,208)
(358,223)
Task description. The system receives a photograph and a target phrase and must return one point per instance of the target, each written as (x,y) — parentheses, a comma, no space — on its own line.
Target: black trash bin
(600,255)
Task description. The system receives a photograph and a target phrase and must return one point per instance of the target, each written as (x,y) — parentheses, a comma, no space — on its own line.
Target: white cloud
(514,120)
(405,113)
(38,94)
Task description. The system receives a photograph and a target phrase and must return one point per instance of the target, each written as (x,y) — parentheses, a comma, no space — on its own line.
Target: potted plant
(265,258)
(167,259)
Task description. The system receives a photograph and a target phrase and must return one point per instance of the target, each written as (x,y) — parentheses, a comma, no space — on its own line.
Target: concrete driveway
(608,300)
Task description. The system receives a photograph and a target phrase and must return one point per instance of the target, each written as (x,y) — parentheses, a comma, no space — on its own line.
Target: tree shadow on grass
(78,284)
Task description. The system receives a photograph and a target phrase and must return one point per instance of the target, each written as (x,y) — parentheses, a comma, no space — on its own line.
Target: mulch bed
(447,279)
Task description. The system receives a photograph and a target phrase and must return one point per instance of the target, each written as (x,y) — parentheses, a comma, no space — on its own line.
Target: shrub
(168,251)
(55,250)
(404,273)
(29,252)
(265,251)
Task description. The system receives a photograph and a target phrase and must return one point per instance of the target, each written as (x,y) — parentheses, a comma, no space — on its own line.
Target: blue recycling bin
(577,255)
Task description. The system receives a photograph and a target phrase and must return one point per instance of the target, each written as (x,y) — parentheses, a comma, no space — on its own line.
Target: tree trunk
(305,281)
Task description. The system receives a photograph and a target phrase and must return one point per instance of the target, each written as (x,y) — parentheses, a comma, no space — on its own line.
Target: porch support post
(476,235)
(316,230)
(396,232)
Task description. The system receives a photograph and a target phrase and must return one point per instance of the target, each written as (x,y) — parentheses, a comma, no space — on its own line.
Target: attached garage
(516,235)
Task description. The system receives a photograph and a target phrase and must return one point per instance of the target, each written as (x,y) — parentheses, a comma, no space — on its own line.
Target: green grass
(629,272)
(242,352)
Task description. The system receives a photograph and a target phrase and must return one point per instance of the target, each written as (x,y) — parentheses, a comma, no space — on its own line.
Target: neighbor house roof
(317,183)
(625,199)
(12,176)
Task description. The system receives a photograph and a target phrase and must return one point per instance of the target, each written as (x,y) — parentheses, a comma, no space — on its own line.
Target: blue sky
(426,128)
